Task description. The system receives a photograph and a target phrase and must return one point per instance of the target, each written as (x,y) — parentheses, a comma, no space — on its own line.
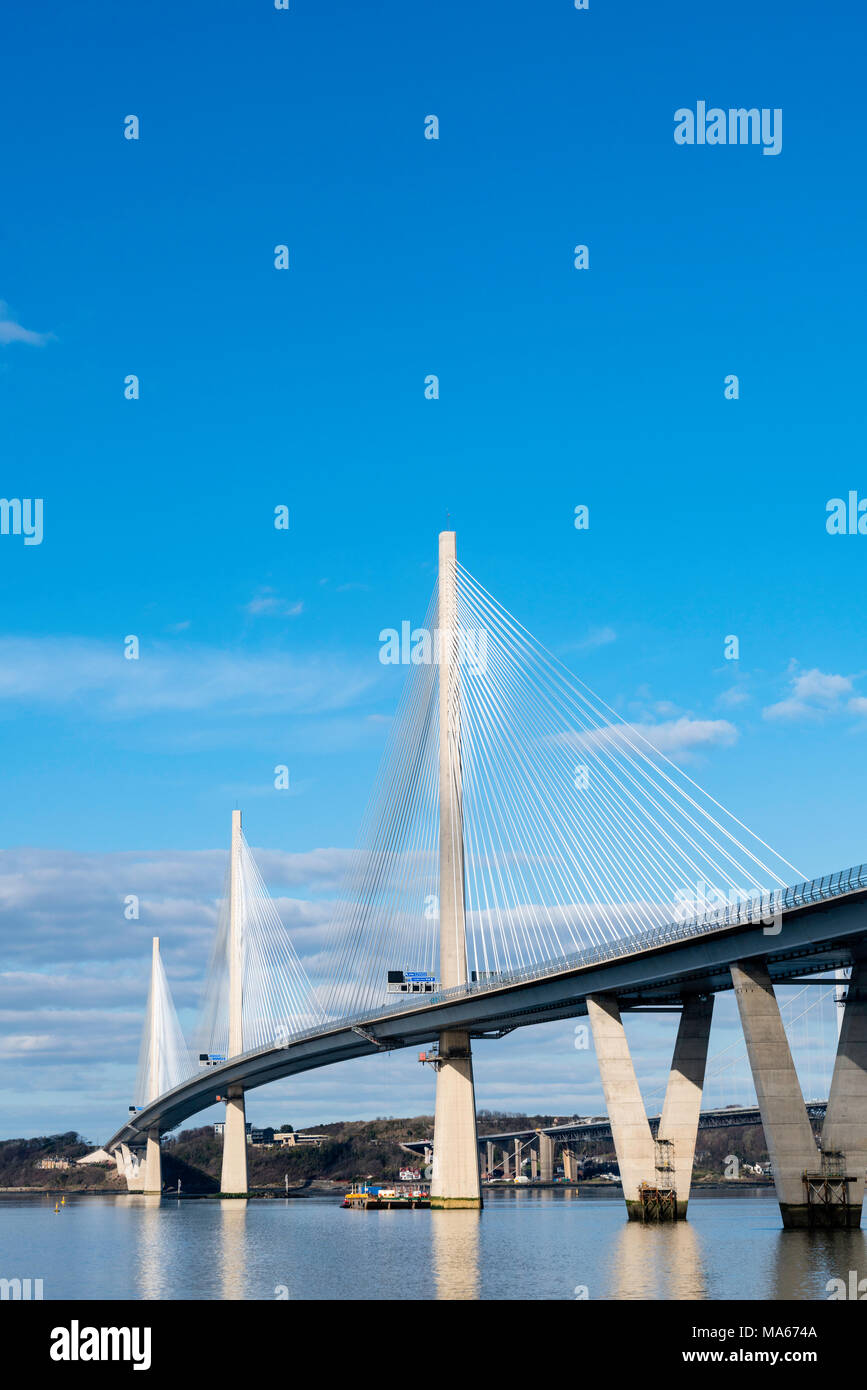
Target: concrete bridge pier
(568,1166)
(534,1164)
(233,1177)
(489,1160)
(455,1178)
(546,1158)
(153,1166)
(630,1131)
(505,1157)
(844,1132)
(133,1170)
(788,1133)
(655,1175)
(678,1123)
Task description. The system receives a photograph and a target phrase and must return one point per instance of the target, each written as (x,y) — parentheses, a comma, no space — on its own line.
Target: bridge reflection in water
(234,1248)
(527,1244)
(455,1239)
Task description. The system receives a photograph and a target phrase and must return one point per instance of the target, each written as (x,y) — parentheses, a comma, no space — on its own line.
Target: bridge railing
(745,912)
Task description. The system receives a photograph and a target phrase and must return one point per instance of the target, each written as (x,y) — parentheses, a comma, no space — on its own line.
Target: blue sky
(306,387)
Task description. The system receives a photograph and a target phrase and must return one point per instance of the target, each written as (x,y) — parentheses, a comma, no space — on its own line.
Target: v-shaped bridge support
(655,1174)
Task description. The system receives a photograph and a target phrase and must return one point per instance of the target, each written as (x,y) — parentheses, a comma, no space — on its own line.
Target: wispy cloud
(596,637)
(12,332)
(686,734)
(267,602)
(734,695)
(815,695)
(179,677)
(674,737)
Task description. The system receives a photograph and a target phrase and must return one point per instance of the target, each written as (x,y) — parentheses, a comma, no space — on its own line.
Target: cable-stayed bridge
(526,855)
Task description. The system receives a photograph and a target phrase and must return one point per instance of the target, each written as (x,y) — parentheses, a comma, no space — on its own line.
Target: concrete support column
(506,1168)
(534,1164)
(568,1166)
(546,1158)
(153,1174)
(233,1179)
(788,1135)
(133,1170)
(518,1146)
(845,1127)
(455,1181)
(489,1160)
(680,1111)
(630,1131)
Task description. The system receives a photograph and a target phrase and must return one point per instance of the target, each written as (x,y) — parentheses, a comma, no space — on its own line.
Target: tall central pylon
(153,1178)
(233,1180)
(455,1180)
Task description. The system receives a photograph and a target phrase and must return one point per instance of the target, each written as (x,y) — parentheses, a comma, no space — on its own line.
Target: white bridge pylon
(257,995)
(164,1062)
(576,831)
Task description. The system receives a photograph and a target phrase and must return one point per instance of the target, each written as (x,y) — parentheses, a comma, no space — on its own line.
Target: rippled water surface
(543,1244)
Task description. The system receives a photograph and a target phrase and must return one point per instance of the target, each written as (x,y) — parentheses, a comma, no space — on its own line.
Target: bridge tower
(153,1174)
(233,1179)
(455,1181)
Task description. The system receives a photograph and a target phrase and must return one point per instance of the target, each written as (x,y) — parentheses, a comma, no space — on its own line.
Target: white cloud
(12,332)
(266,602)
(596,637)
(734,695)
(813,695)
(679,735)
(94,675)
(14,1044)
(671,736)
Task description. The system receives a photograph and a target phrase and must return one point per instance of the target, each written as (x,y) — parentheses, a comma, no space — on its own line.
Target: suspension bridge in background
(528,856)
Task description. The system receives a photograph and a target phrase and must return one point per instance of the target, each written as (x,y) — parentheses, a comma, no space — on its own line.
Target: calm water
(524,1245)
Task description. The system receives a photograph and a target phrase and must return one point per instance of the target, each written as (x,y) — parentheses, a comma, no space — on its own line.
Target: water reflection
(657,1261)
(525,1245)
(455,1251)
(805,1263)
(233,1240)
(151,1247)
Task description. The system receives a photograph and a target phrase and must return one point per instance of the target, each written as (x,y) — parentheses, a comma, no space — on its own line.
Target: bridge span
(820,925)
(487,842)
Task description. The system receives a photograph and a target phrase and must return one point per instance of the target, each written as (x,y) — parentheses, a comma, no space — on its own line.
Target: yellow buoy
(63,1201)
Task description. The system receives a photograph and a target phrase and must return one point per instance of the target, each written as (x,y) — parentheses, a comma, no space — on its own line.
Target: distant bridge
(599,1128)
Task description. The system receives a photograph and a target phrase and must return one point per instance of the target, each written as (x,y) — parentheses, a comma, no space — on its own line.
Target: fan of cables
(577,831)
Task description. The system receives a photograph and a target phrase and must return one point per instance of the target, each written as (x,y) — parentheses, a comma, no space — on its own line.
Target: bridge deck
(819,925)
